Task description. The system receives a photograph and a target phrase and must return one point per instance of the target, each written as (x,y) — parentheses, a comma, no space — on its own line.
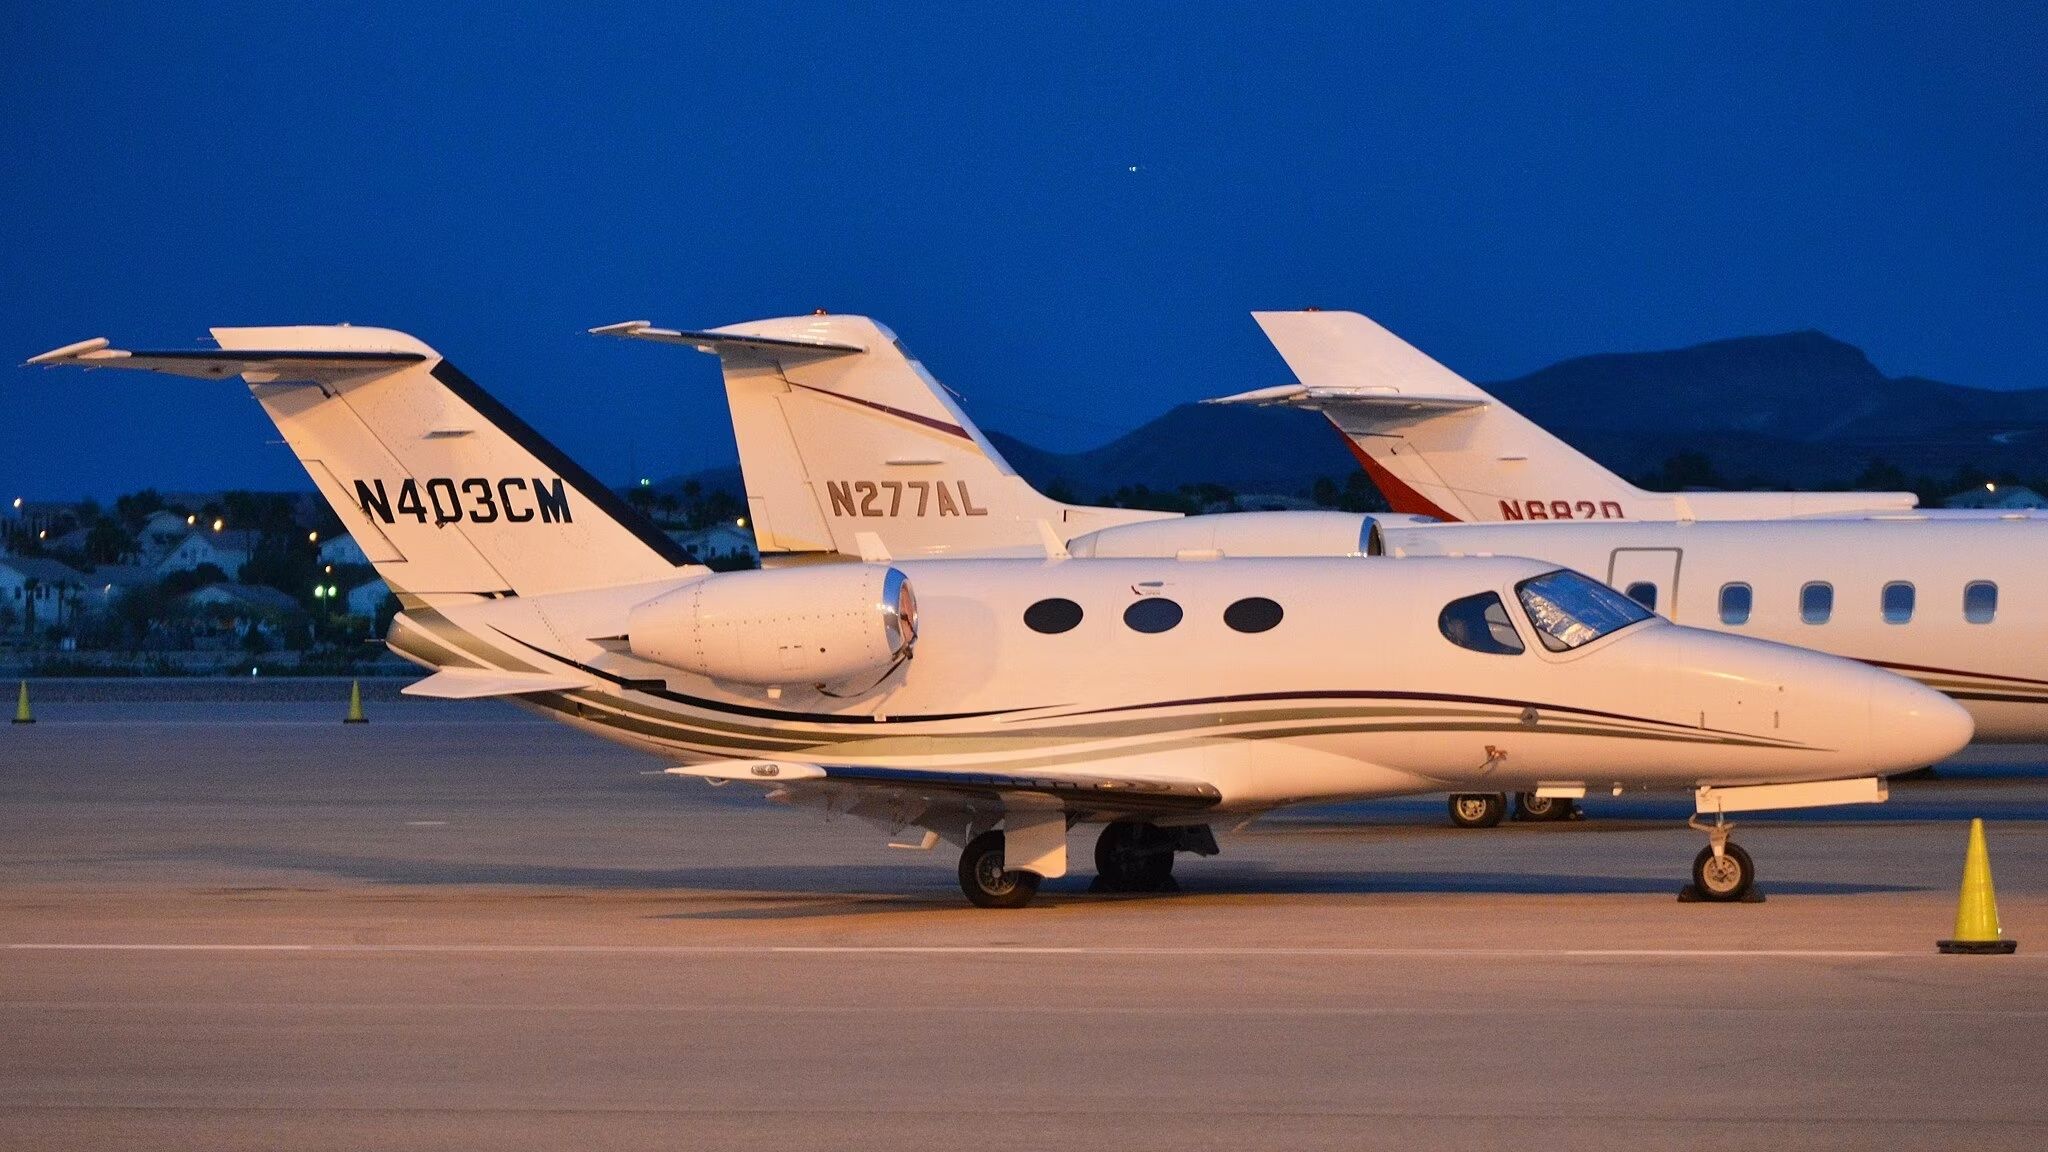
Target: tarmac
(245,925)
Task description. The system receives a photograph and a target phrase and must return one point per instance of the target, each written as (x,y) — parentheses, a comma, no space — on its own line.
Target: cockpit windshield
(1570,610)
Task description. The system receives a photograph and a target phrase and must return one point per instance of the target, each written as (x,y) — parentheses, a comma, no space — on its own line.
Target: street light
(312,537)
(219,524)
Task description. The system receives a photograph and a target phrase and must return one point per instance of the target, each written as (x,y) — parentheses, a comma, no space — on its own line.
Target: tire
(1477,809)
(1133,857)
(1543,809)
(984,880)
(1726,880)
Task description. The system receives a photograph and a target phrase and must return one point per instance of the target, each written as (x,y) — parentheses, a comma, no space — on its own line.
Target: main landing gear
(1130,856)
(1134,857)
(1478,809)
(1485,809)
(1722,872)
(986,882)
(1545,809)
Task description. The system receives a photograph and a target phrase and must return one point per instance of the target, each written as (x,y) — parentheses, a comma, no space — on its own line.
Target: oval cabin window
(1253,614)
(1817,602)
(1735,603)
(1980,601)
(1898,602)
(1052,616)
(1152,614)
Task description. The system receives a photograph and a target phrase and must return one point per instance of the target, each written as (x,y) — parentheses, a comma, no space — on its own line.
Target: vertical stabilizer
(1438,445)
(445,490)
(843,434)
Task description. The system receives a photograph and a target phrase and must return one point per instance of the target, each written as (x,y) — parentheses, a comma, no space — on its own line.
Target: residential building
(718,542)
(2003,496)
(227,550)
(37,592)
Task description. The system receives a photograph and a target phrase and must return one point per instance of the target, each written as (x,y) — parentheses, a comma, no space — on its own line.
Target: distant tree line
(1694,470)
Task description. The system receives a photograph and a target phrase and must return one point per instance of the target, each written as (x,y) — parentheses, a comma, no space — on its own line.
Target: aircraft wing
(1034,808)
(219,363)
(1076,791)
(479,683)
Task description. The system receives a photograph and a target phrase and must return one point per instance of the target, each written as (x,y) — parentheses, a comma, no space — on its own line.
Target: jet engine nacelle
(789,626)
(1232,534)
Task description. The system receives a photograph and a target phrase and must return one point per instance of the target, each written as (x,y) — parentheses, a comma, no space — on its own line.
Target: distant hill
(1797,410)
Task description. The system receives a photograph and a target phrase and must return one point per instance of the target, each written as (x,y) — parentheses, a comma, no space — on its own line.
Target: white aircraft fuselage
(963,696)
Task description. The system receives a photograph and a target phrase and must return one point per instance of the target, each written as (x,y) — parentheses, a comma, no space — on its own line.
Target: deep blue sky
(1506,186)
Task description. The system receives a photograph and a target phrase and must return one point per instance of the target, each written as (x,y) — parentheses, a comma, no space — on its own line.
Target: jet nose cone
(1912,726)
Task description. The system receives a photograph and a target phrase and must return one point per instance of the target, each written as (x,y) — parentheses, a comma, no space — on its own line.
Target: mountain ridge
(1790,410)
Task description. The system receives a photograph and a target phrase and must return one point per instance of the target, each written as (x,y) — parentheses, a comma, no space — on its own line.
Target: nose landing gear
(1722,873)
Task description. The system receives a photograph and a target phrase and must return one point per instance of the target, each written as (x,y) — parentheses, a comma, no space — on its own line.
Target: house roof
(44,569)
(258,597)
(121,575)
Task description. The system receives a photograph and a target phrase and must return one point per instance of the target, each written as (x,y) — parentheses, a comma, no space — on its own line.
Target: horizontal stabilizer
(1378,405)
(717,342)
(479,683)
(218,363)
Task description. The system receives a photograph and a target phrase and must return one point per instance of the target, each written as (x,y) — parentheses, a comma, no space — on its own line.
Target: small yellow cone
(355,704)
(21,713)
(1977,930)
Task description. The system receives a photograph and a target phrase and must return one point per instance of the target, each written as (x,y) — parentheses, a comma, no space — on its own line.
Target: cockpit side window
(1570,610)
(1480,623)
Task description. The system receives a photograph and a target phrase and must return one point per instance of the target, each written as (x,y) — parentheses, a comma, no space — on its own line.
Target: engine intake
(816,625)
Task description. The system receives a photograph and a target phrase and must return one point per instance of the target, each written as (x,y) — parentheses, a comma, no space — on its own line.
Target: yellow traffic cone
(355,704)
(21,713)
(1977,930)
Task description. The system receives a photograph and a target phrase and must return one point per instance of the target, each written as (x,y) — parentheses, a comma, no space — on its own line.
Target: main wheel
(1542,809)
(1726,877)
(984,879)
(1133,857)
(1478,809)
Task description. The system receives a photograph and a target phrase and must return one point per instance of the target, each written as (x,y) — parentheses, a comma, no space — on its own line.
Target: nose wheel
(1722,873)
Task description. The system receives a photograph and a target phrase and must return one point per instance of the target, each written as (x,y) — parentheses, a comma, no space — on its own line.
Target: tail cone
(1977,930)
(355,704)
(21,713)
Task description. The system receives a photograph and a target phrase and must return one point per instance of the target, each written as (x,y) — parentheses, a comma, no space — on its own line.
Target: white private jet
(1438,445)
(1154,696)
(841,431)
(843,439)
